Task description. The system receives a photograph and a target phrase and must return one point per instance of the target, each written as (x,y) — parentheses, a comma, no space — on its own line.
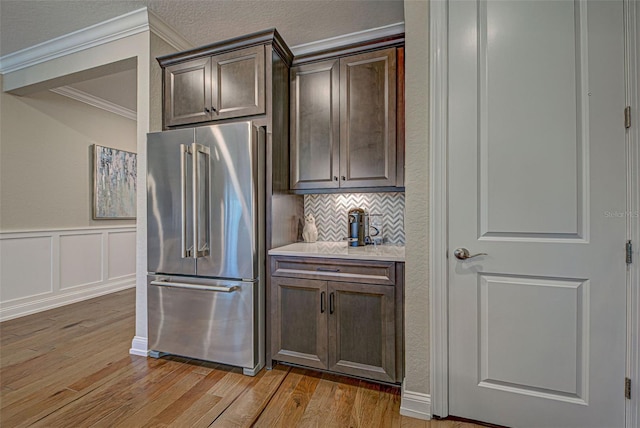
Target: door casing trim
(438,223)
(632,75)
(438,201)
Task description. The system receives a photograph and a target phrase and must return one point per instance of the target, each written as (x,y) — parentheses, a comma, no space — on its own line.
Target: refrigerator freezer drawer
(211,320)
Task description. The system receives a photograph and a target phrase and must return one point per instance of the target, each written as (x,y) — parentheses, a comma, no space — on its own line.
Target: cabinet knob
(213,109)
(335,178)
(206,110)
(343,178)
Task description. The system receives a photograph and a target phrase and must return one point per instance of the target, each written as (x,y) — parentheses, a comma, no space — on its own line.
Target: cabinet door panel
(368,119)
(315,129)
(299,321)
(238,83)
(362,330)
(187,92)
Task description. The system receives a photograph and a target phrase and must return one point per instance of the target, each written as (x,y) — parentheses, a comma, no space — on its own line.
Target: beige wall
(45,160)
(416,14)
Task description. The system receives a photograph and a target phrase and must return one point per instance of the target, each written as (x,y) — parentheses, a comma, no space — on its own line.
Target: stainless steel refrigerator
(205,244)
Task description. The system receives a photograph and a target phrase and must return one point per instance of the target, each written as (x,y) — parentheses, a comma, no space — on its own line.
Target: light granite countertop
(340,250)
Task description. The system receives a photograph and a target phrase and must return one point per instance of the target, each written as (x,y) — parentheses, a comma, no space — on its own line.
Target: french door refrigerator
(205,246)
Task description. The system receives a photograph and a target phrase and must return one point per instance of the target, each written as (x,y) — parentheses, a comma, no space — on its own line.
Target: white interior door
(537,181)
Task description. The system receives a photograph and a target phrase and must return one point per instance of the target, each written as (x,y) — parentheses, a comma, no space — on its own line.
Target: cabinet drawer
(366,272)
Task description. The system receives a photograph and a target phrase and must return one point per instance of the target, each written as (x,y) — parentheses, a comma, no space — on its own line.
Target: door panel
(531,174)
(536,159)
(508,356)
(362,330)
(233,216)
(315,125)
(299,325)
(164,205)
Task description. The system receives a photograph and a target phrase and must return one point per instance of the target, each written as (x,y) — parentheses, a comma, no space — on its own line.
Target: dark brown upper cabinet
(227,85)
(368,119)
(344,122)
(315,125)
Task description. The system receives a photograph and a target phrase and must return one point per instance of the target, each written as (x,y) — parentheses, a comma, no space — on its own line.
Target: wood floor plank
(183,403)
(226,392)
(49,380)
(16,357)
(208,407)
(300,398)
(343,400)
(70,367)
(315,414)
(108,397)
(275,409)
(388,409)
(76,369)
(246,409)
(40,404)
(156,399)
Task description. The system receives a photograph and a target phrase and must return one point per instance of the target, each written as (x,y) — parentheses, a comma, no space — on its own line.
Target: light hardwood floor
(70,367)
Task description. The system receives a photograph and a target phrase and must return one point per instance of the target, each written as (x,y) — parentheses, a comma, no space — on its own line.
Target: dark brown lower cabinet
(299,324)
(362,330)
(340,326)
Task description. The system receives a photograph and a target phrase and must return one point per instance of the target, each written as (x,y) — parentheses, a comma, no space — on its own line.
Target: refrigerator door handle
(220,288)
(184,151)
(198,181)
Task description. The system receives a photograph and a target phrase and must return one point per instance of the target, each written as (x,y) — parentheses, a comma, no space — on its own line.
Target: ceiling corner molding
(168,33)
(348,39)
(83,97)
(103,32)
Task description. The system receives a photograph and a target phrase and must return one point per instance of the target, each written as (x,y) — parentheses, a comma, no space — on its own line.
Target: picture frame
(114,184)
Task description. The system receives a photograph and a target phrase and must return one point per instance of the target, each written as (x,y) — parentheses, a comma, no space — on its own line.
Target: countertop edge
(282,251)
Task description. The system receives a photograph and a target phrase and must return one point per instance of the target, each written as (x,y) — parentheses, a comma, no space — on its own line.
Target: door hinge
(629,255)
(627,117)
(627,388)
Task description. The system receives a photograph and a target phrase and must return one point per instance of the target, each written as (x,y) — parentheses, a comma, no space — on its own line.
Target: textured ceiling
(24,23)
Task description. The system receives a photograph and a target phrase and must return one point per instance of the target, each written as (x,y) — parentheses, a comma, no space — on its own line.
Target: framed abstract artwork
(114,184)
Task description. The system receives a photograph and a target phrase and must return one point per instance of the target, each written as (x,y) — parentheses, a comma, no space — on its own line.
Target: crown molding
(104,32)
(92,100)
(129,24)
(349,39)
(167,33)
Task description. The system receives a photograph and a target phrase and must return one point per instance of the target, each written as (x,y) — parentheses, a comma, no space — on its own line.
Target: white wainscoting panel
(26,267)
(46,269)
(122,254)
(80,260)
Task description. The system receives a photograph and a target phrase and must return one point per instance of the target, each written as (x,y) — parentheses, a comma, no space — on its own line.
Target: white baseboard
(415,404)
(139,346)
(55,301)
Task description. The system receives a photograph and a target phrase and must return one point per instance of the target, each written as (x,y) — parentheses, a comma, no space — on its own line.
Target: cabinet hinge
(629,252)
(627,388)
(627,117)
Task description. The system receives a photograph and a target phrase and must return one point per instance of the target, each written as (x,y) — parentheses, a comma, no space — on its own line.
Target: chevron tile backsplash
(330,211)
